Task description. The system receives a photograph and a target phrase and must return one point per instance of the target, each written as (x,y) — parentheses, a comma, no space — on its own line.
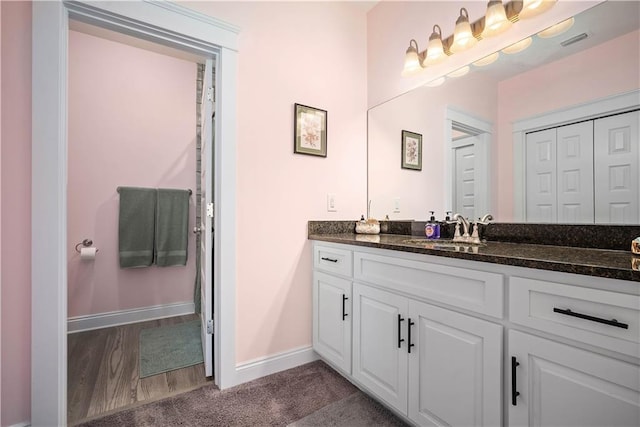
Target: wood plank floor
(103,371)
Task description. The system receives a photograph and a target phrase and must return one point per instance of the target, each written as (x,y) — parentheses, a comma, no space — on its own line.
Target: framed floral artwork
(310,131)
(411,150)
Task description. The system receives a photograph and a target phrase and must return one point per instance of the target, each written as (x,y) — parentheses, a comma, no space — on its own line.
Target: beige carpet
(276,400)
(356,410)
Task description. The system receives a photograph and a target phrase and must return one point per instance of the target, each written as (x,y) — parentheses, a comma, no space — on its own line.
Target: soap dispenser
(432,228)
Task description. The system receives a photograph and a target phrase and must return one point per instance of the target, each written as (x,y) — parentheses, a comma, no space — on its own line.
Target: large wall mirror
(548,134)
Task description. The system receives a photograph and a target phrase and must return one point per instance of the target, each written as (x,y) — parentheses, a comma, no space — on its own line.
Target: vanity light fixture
(463,37)
(459,72)
(557,29)
(489,59)
(531,8)
(495,20)
(518,46)
(412,60)
(436,82)
(435,50)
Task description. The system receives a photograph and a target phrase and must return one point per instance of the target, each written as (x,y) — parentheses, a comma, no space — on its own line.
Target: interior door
(464,171)
(206,221)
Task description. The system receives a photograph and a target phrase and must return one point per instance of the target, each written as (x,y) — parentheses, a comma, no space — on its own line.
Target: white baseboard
(268,365)
(22,424)
(115,318)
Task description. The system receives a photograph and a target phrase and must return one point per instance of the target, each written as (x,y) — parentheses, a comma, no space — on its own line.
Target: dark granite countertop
(614,264)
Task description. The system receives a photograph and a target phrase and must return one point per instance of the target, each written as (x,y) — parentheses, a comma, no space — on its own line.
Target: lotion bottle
(432,228)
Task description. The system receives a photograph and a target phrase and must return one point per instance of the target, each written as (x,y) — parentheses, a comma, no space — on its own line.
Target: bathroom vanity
(484,335)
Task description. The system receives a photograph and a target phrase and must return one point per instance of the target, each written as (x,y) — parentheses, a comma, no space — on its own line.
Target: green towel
(172,227)
(136,228)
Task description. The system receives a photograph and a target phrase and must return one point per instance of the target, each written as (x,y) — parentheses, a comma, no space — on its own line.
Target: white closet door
(617,160)
(541,199)
(575,173)
(465,177)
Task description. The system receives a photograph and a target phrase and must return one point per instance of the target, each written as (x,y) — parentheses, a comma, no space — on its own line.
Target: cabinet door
(560,385)
(454,368)
(380,344)
(332,319)
(617,164)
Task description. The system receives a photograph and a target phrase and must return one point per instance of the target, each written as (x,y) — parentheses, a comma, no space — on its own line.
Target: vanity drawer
(606,319)
(474,290)
(333,260)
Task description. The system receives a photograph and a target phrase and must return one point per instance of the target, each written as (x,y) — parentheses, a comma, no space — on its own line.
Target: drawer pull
(329,259)
(344,313)
(612,322)
(514,385)
(409,343)
(400,320)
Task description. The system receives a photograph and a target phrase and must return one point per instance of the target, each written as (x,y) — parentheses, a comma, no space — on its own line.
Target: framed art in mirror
(310,131)
(411,150)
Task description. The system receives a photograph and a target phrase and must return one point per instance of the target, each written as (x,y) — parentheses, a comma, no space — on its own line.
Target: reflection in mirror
(475,131)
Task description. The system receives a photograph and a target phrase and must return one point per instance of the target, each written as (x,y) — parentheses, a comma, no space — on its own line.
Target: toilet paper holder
(86,243)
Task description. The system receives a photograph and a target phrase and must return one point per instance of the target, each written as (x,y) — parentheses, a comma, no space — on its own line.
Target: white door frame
(162,22)
(614,104)
(483,158)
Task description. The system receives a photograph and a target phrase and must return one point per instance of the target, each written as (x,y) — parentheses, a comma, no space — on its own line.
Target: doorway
(170,24)
(134,115)
(468,181)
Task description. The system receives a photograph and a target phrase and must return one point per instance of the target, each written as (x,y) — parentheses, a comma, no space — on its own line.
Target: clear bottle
(432,228)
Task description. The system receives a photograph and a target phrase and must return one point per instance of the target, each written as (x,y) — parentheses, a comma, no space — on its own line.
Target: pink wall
(132,122)
(610,68)
(312,53)
(15,193)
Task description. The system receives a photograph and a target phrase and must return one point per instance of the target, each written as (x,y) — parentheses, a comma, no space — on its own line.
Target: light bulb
(463,38)
(531,8)
(435,50)
(411,61)
(495,21)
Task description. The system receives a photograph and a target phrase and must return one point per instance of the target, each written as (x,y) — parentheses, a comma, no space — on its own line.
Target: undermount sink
(441,243)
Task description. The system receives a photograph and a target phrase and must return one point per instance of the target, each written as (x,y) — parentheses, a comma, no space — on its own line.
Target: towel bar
(189,190)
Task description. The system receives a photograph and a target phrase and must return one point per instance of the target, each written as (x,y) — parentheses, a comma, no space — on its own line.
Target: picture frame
(411,150)
(310,131)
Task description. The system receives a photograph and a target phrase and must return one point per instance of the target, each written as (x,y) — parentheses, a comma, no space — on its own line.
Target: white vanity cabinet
(332,319)
(431,364)
(424,334)
(332,305)
(554,384)
(437,366)
(379,343)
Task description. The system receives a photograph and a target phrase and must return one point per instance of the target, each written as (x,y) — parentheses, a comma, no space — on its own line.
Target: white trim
(161,22)
(22,424)
(123,317)
(613,104)
(268,365)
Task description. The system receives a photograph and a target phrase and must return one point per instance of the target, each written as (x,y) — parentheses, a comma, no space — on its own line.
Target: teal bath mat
(170,347)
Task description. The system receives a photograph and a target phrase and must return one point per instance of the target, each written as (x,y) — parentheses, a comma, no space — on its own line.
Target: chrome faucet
(465,226)
(485,219)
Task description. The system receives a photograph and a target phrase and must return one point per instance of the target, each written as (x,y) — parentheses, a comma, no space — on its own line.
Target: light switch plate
(396,205)
(331,203)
